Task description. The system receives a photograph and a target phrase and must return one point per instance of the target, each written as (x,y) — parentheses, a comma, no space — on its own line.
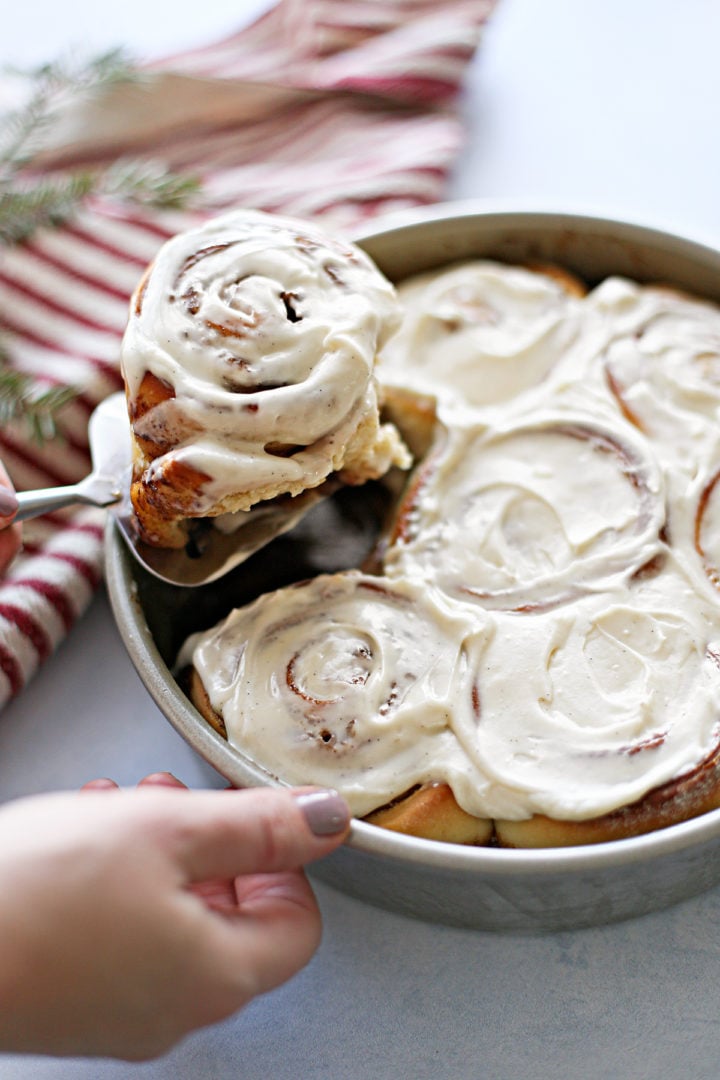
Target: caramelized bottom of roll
(572,285)
(690,795)
(431,812)
(201,701)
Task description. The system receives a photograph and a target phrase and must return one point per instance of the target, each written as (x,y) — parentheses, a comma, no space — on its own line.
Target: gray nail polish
(326,812)
(8,502)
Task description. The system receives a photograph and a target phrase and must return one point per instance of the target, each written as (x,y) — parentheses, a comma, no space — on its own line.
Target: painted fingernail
(103,783)
(162,778)
(8,502)
(326,812)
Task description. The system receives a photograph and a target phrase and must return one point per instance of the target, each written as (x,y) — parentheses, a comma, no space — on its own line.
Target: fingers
(103,783)
(222,834)
(277,935)
(157,779)
(237,857)
(217,893)
(8,500)
(8,505)
(162,779)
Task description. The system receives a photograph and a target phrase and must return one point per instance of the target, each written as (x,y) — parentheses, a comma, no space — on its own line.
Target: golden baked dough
(694,793)
(432,813)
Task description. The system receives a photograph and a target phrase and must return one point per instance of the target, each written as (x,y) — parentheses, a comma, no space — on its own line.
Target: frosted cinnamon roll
(249,369)
(586,708)
(527,516)
(346,680)
(695,792)
(662,364)
(482,331)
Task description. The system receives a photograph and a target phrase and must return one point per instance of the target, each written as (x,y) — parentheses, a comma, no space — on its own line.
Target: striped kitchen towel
(338,110)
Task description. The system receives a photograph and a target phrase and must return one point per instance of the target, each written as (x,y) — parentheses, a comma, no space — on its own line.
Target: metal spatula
(209,554)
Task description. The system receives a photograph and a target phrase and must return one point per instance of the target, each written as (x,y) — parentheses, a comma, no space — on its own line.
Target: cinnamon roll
(483,331)
(585,709)
(662,363)
(531,515)
(249,369)
(347,680)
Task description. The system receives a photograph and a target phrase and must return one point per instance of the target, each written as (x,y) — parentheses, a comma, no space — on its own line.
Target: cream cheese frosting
(554,627)
(481,331)
(347,680)
(526,515)
(585,708)
(662,362)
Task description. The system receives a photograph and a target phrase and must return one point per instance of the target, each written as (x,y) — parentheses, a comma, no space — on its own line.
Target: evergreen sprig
(53,84)
(47,203)
(22,399)
(33,200)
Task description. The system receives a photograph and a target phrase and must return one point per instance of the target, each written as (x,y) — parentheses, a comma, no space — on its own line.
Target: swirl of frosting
(483,331)
(663,365)
(249,365)
(527,516)
(587,708)
(347,680)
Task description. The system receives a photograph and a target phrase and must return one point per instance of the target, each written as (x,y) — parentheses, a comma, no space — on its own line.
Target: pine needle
(47,203)
(22,399)
(148,182)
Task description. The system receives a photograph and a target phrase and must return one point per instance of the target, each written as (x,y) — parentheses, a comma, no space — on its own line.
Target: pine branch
(52,84)
(148,182)
(30,201)
(49,202)
(22,400)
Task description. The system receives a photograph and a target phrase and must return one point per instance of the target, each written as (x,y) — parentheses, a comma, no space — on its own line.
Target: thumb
(257,830)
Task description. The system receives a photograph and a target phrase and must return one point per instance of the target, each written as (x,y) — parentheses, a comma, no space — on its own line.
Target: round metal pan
(484,888)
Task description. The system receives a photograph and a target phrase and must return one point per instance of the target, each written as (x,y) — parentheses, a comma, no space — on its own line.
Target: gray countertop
(608,107)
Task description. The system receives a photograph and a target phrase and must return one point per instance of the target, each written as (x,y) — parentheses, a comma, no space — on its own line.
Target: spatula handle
(34,503)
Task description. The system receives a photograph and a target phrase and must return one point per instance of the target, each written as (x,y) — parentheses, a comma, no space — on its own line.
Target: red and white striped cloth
(332,109)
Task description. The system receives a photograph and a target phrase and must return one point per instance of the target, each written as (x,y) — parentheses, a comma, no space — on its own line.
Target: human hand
(10,535)
(130,918)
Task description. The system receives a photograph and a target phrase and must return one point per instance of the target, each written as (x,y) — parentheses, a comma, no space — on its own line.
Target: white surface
(611,106)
